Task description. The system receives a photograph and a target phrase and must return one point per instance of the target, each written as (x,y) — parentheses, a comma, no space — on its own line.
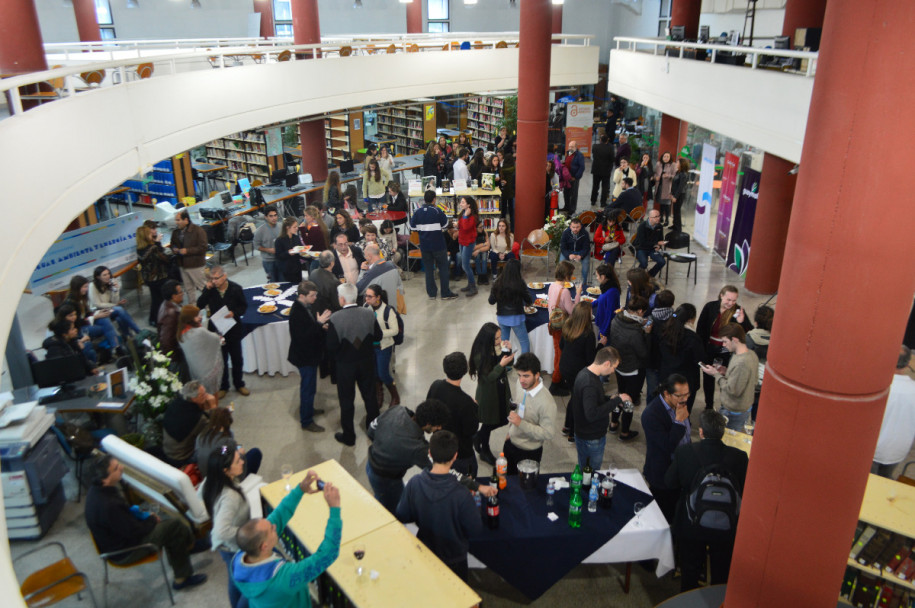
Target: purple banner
(726,203)
(739,252)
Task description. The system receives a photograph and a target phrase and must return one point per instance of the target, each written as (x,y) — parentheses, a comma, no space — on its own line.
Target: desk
(409,574)
(737,440)
(89,405)
(205,169)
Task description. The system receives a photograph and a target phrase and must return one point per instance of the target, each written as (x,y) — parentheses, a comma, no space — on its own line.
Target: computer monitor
(677,32)
(347,166)
(245,185)
(226,198)
(703,33)
(62,372)
(782,43)
(277,177)
(292,179)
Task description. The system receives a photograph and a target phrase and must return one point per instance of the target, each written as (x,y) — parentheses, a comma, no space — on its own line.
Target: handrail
(753,52)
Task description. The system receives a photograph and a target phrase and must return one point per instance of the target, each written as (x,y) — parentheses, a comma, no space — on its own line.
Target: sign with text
(579,121)
(726,203)
(739,252)
(111,243)
(704,198)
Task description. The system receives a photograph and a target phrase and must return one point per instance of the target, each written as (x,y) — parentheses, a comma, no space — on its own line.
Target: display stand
(489,204)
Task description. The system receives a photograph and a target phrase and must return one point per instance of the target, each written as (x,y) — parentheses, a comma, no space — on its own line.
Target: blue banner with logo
(739,251)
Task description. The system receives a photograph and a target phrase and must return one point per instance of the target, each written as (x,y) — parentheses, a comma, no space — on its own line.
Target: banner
(579,122)
(111,243)
(739,252)
(726,203)
(704,198)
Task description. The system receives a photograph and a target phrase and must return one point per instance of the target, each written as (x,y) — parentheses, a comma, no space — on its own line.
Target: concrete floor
(268,419)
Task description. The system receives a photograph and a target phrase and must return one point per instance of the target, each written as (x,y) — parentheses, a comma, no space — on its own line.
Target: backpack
(713,503)
(398,339)
(246,233)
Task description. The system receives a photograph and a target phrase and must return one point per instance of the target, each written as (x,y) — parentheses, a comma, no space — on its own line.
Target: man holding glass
(666,425)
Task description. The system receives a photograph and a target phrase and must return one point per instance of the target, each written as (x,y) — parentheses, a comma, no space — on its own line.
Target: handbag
(558,318)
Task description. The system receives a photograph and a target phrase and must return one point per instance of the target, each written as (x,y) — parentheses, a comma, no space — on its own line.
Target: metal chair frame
(66,566)
(155,552)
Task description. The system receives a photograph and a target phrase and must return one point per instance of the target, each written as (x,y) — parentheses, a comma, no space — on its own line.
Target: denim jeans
(590,450)
(736,420)
(585,267)
(466,255)
(124,320)
(374,204)
(236,599)
(431,259)
(273,270)
(494,261)
(307,387)
(100,328)
(387,491)
(643,255)
(520,330)
(383,364)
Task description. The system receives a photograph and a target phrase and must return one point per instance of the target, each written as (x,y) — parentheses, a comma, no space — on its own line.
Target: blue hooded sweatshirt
(276,583)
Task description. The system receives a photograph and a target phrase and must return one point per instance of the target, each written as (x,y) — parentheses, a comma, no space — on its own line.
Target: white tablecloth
(542,346)
(265,349)
(650,541)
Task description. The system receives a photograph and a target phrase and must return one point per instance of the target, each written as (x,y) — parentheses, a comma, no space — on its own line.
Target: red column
(265,8)
(533,110)
(557,19)
(770,226)
(686,12)
(415,17)
(86,20)
(802,13)
(20,38)
(670,136)
(306,29)
(828,374)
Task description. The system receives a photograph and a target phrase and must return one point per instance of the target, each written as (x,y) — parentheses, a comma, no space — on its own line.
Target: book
(487,181)
(873,548)
(906,569)
(848,582)
(864,538)
(900,555)
(896,544)
(866,591)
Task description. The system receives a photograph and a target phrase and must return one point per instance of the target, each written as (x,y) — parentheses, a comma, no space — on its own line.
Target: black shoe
(341,438)
(484,279)
(571,438)
(201,545)
(450,296)
(558,391)
(566,431)
(631,435)
(191,581)
(318,411)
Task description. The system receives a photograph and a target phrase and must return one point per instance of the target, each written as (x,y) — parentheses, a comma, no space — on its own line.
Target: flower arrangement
(154,387)
(554,229)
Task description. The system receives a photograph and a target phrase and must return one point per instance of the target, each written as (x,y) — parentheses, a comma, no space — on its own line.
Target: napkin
(262,298)
(552,516)
(542,295)
(284,302)
(559,482)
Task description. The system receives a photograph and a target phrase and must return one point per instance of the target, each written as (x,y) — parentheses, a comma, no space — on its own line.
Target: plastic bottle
(478,499)
(592,499)
(575,509)
(492,506)
(576,480)
(502,469)
(550,493)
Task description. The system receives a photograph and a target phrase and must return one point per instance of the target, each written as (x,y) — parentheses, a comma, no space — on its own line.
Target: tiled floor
(268,419)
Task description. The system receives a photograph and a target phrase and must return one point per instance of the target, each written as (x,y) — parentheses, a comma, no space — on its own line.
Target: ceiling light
(133,4)
(357,4)
(406,1)
(470,1)
(195,3)
(557,1)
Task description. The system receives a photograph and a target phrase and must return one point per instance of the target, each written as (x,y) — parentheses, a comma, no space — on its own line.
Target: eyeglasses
(682,395)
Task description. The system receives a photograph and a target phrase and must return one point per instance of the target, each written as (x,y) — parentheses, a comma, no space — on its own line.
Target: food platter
(301,249)
(587,299)
(266,309)
(594,291)
(535,285)
(272,286)
(541,303)
(530,310)
(273,293)
(285,312)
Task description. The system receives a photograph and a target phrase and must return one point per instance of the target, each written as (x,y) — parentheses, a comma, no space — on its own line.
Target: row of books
(884,550)
(865,590)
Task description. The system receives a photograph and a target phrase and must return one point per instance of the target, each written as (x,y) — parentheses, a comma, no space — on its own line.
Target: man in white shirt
(532,423)
(460,167)
(898,429)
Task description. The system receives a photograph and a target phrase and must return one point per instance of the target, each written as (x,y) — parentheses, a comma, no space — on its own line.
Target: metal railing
(108,57)
(659,46)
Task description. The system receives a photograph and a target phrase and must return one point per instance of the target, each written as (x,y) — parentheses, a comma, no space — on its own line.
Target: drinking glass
(359,553)
(637,509)
(748,427)
(613,471)
(286,472)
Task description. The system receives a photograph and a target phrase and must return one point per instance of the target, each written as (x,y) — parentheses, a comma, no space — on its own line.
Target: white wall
(375,17)
(56,21)
(485,16)
(768,23)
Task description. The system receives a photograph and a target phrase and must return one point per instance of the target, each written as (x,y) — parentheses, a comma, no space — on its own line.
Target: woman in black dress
(290,262)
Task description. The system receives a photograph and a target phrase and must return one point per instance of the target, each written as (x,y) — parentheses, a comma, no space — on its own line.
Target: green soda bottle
(575,502)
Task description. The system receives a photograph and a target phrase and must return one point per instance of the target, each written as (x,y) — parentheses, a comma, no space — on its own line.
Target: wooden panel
(184,179)
(356,136)
(429,125)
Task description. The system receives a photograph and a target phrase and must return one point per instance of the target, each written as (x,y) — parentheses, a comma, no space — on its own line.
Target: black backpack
(398,339)
(713,503)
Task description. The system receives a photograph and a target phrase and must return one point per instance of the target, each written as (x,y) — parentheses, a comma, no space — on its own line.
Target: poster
(726,204)
(704,198)
(111,243)
(274,139)
(739,252)
(579,122)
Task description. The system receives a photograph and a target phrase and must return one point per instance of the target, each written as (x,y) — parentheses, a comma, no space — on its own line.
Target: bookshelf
(489,204)
(244,154)
(169,180)
(344,133)
(409,125)
(483,116)
(881,565)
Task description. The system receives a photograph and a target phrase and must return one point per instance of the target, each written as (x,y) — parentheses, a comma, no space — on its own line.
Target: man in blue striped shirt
(429,221)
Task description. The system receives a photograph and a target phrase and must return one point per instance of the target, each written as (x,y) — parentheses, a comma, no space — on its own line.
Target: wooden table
(408,573)
(889,505)
(205,169)
(380,216)
(738,440)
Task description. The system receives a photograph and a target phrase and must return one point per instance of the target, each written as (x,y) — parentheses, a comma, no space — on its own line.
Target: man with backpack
(392,331)
(710,477)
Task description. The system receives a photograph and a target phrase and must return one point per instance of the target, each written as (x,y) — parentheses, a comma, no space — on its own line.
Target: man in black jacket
(306,347)
(326,282)
(114,526)
(219,292)
(648,242)
(666,425)
(442,508)
(688,460)
(351,336)
(592,408)
(629,199)
(463,413)
(353,258)
(601,169)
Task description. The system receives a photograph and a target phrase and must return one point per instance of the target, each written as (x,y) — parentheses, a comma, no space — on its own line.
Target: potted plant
(554,228)
(154,387)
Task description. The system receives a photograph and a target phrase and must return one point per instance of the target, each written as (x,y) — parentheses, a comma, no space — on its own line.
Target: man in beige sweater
(738,383)
(532,420)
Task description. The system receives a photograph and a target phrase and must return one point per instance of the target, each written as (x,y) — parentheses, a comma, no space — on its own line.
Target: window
(282,18)
(105,20)
(664,18)
(439,15)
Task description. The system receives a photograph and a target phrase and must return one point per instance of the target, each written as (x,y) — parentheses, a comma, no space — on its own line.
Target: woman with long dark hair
(609,240)
(501,242)
(476,165)
(680,349)
(644,176)
(715,315)
(490,357)
(510,295)
(153,266)
(608,302)
(333,196)
(227,506)
(664,173)
(396,201)
(104,292)
(290,261)
(628,336)
(101,325)
(639,284)
(678,192)
(467,235)
(579,347)
(344,225)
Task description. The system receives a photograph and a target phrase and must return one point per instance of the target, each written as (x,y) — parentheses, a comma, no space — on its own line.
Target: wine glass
(637,509)
(613,471)
(748,427)
(359,553)
(286,472)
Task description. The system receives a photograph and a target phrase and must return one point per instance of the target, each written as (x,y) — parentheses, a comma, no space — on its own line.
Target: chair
(246,243)
(413,48)
(465,46)
(413,252)
(258,57)
(93,78)
(536,246)
(155,555)
(346,51)
(76,455)
(43,91)
(587,217)
(221,248)
(284,56)
(501,45)
(680,258)
(391,49)
(145,70)
(54,582)
(903,478)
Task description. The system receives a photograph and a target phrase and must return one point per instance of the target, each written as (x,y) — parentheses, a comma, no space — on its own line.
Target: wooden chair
(258,57)
(413,252)
(154,556)
(346,51)
(93,78)
(478,44)
(586,218)
(43,91)
(392,48)
(536,246)
(904,477)
(501,45)
(55,582)
(413,48)
(284,56)
(145,70)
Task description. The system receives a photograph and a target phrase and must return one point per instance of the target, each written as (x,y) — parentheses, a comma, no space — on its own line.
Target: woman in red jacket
(467,238)
(608,241)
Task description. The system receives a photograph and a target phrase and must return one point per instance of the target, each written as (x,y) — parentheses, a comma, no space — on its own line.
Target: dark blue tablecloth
(531,552)
(540,317)
(253,319)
